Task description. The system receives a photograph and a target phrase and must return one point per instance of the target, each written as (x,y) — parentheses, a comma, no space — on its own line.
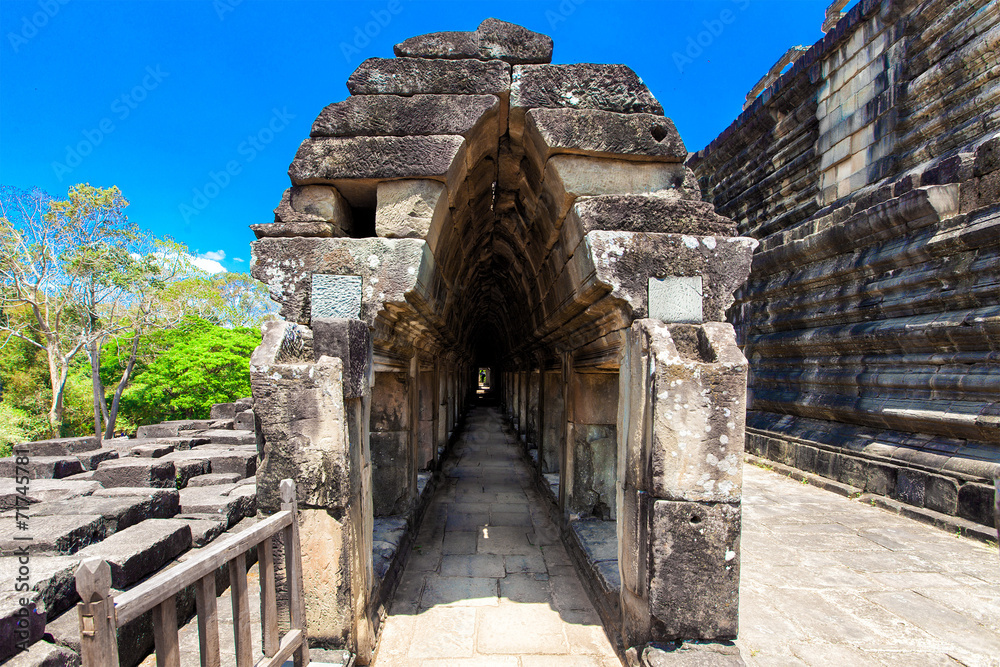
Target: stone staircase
(141,503)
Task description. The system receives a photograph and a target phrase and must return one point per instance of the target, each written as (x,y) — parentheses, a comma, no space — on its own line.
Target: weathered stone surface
(400,116)
(689,654)
(649,213)
(225,437)
(44,654)
(410,208)
(627,260)
(350,340)
(415,76)
(188,465)
(244,421)
(135,471)
(388,267)
(214,479)
(311,210)
(41,467)
(18,626)
(204,527)
(694,581)
(153,450)
(213,500)
(60,533)
(90,460)
(171,429)
(301,408)
(120,507)
(137,552)
(583,86)
(241,459)
(633,136)
(494,39)
(338,159)
(60,446)
(43,490)
(698,392)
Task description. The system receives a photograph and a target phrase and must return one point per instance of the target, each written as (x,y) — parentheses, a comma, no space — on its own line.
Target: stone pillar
(442,415)
(566,443)
(426,448)
(553,418)
(312,407)
(532,406)
(394,480)
(681,421)
(594,444)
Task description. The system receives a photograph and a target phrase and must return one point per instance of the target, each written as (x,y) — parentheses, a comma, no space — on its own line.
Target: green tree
(193,365)
(61,262)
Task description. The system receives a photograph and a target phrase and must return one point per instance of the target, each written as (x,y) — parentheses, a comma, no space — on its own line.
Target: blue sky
(194,108)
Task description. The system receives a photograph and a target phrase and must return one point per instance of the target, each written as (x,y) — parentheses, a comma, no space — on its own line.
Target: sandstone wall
(869,173)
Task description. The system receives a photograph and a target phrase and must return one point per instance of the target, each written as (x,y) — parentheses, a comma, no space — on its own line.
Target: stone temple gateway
(472,206)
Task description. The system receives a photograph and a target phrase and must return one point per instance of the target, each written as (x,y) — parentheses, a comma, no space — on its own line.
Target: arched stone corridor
(491,210)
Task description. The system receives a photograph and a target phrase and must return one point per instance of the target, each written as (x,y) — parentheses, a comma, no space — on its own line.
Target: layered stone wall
(869,174)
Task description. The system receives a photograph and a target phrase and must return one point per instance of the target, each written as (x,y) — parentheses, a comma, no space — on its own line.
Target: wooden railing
(101,613)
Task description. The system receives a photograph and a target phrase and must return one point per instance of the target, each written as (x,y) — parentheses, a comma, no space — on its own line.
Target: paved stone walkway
(489,582)
(830,581)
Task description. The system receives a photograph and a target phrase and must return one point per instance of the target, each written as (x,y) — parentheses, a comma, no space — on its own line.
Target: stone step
(60,446)
(18,623)
(213,500)
(214,479)
(43,490)
(135,471)
(46,654)
(139,551)
(152,450)
(171,429)
(91,460)
(41,467)
(120,507)
(242,461)
(57,533)
(228,436)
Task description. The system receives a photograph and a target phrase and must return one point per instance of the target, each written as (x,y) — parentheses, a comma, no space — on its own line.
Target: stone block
(45,654)
(188,465)
(60,533)
(633,136)
(241,460)
(171,429)
(695,561)
(335,297)
(391,265)
(243,421)
(60,446)
(911,486)
(204,527)
(141,550)
(227,437)
(303,432)
(350,341)
(942,494)
(676,299)
(391,469)
(41,467)
(648,213)
(43,490)
(19,623)
(698,394)
(415,76)
(494,39)
(410,208)
(975,502)
(120,507)
(214,479)
(223,410)
(212,500)
(90,460)
(134,471)
(152,450)
(399,116)
(881,478)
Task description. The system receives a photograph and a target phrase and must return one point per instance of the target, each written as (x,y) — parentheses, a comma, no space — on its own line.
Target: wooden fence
(101,613)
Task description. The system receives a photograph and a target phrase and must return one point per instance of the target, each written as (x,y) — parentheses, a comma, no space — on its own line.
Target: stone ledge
(946,522)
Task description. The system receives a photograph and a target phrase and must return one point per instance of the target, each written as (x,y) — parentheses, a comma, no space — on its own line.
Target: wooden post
(168,652)
(98,641)
(293,571)
(268,598)
(241,610)
(208,621)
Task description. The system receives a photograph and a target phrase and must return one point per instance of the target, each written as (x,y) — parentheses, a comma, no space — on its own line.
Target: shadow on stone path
(489,582)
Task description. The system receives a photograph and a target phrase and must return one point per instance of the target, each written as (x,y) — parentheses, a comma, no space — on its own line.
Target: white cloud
(214,255)
(239,259)
(208,265)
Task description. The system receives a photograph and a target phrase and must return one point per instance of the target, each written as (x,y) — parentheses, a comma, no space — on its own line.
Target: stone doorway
(473,206)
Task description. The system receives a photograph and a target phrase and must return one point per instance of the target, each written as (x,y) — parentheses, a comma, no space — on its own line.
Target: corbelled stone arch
(545,208)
